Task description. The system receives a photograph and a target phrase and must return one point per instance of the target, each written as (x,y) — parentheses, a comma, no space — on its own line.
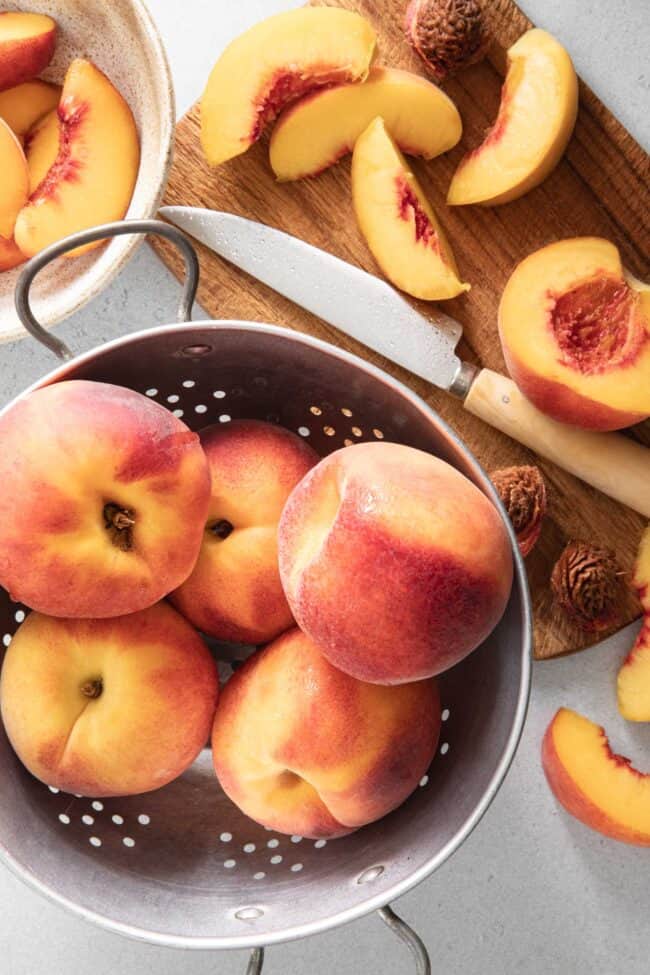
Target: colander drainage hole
(117,819)
(346,412)
(304,431)
(64,818)
(316,410)
(189,383)
(87,820)
(276,859)
(94,841)
(97,805)
(53,789)
(296,839)
(152,392)
(370,874)
(19,615)
(219,394)
(424,781)
(357,431)
(225,837)
(248,913)
(296,868)
(378,434)
(178,413)
(6,639)
(174,398)
(129,841)
(444,748)
(319,844)
(445,714)
(143,819)
(272,844)
(248,848)
(229,864)
(329,431)
(260,875)
(201,408)
(224,418)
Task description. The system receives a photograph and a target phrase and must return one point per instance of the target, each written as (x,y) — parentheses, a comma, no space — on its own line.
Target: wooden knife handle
(617,466)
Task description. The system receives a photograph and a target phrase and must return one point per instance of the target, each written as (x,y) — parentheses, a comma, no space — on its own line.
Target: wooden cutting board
(600,187)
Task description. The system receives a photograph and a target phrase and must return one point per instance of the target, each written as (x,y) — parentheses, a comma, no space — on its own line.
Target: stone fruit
(21,107)
(397,220)
(447,34)
(603,790)
(539,103)
(234,592)
(393,562)
(302,748)
(575,331)
(321,128)
(27,44)
(634,675)
(104,500)
(93,175)
(273,63)
(15,180)
(108,707)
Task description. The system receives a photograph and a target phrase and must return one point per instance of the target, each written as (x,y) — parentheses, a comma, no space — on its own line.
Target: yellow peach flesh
(536,117)
(10,255)
(397,220)
(15,180)
(93,176)
(633,684)
(596,786)
(41,149)
(322,127)
(274,62)
(590,367)
(26,46)
(21,107)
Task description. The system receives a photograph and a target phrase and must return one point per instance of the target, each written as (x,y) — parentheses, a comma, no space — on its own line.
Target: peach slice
(603,790)
(15,179)
(633,683)
(397,220)
(318,130)
(302,748)
(42,148)
(273,63)
(539,104)
(10,255)
(27,44)
(575,331)
(21,107)
(93,176)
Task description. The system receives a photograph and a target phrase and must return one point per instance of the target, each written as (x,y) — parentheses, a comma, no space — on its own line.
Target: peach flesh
(27,43)
(287,87)
(408,203)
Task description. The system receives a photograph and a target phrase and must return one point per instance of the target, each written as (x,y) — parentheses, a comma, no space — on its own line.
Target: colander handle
(119,228)
(405,933)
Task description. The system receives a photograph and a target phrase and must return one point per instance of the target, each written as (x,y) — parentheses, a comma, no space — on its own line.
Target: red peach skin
(393,562)
(304,749)
(27,43)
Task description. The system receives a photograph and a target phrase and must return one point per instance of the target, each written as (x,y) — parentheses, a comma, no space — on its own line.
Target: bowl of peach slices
(86,126)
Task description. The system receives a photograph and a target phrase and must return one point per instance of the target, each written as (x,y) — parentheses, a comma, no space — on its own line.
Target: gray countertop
(531,891)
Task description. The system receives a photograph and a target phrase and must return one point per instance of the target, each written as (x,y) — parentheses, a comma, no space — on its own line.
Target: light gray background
(531,891)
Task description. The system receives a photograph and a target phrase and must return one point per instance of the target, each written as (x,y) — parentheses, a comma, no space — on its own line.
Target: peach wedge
(397,220)
(273,63)
(21,107)
(10,255)
(539,103)
(92,178)
(575,331)
(27,44)
(603,790)
(318,130)
(15,180)
(42,149)
(633,683)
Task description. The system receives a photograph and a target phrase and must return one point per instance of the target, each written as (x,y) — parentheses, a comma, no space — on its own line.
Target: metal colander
(182,866)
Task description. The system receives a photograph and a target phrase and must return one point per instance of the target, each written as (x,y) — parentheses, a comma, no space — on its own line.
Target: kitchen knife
(369,310)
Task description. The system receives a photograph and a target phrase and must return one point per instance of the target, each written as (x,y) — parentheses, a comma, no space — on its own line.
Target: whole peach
(108,707)
(393,562)
(303,748)
(234,592)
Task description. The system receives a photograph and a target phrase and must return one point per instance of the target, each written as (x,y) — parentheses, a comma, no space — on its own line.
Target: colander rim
(376,901)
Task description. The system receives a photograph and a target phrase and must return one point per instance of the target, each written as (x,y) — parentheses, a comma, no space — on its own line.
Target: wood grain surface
(600,187)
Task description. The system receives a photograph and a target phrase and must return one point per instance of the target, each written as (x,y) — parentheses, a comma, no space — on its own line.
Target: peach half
(21,107)
(273,63)
(302,748)
(397,220)
(633,685)
(575,331)
(393,562)
(27,43)
(15,180)
(601,789)
(539,104)
(321,128)
(104,500)
(92,177)
(234,592)
(108,707)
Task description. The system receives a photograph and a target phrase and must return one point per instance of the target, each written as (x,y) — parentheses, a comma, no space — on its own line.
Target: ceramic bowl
(121,38)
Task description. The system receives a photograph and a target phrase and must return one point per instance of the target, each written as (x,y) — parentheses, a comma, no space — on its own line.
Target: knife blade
(371,311)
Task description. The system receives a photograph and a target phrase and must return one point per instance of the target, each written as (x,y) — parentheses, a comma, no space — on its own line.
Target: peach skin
(322,127)
(603,790)
(633,683)
(15,180)
(94,172)
(302,748)
(10,256)
(393,562)
(575,332)
(21,107)
(397,220)
(272,64)
(104,500)
(108,707)
(234,592)
(539,104)
(27,43)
